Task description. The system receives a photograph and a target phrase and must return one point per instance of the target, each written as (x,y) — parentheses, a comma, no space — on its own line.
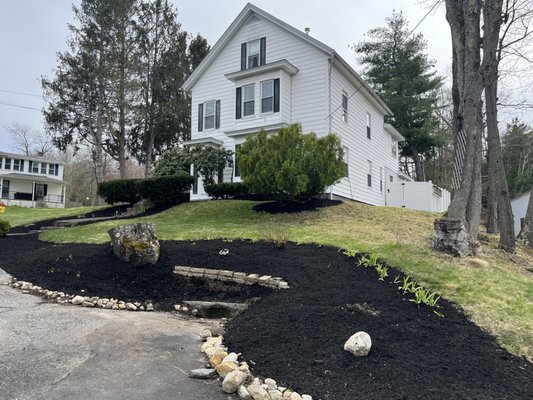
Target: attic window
(253,53)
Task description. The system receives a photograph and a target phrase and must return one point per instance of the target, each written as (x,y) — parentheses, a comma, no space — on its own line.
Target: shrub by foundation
(228,190)
(119,191)
(165,190)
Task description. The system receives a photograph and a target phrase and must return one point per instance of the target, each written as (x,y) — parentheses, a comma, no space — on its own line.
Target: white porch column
(1,186)
(33,193)
(64,193)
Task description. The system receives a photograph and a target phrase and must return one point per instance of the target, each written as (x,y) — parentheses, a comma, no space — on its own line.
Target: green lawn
(495,290)
(17,216)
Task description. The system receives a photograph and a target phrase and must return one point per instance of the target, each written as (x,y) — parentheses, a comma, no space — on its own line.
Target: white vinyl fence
(423,196)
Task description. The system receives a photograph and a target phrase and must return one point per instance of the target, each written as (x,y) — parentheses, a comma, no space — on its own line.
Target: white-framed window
(18,165)
(368,126)
(248,100)
(53,169)
(44,167)
(369,174)
(381,179)
(267,96)
(34,167)
(344,106)
(394,149)
(209,114)
(7,163)
(253,52)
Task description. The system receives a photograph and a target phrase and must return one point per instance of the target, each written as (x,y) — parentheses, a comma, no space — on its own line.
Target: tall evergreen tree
(163,111)
(403,76)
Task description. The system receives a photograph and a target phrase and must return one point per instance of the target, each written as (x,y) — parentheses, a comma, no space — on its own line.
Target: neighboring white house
(519,207)
(265,74)
(31,181)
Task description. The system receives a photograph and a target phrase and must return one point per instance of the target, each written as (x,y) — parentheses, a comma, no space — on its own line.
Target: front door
(40,191)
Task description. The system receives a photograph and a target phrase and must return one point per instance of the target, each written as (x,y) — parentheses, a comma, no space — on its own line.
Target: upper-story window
(267,96)
(18,165)
(369,174)
(53,169)
(44,166)
(253,53)
(344,106)
(34,167)
(368,126)
(7,163)
(248,100)
(209,115)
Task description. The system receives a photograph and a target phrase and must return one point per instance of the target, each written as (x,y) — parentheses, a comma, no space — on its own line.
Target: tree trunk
(464,19)
(419,170)
(492,202)
(492,16)
(526,234)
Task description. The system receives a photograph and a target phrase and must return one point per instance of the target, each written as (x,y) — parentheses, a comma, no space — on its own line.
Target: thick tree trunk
(419,170)
(492,15)
(464,19)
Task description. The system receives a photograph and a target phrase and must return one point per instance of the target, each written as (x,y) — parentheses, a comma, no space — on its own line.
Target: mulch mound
(292,207)
(296,336)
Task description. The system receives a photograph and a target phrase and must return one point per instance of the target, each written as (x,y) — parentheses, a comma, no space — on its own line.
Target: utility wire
(19,106)
(21,93)
(417,25)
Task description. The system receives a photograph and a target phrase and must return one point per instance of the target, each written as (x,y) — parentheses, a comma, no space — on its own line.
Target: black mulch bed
(291,207)
(296,336)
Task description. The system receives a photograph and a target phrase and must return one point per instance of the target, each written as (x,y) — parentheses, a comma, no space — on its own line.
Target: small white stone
(231,357)
(149,307)
(271,383)
(306,397)
(205,334)
(77,300)
(131,307)
(243,393)
(177,307)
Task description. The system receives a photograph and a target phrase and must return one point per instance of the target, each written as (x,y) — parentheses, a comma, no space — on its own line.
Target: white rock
(149,307)
(77,300)
(232,381)
(231,357)
(295,396)
(131,306)
(271,383)
(205,334)
(275,394)
(257,392)
(202,373)
(306,397)
(243,393)
(359,344)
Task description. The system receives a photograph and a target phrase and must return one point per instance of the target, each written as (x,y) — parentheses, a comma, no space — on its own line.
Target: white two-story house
(31,181)
(265,74)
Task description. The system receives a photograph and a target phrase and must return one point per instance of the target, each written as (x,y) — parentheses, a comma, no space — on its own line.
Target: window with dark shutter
(276,95)
(195,182)
(236,163)
(217,115)
(262,52)
(238,105)
(200,117)
(243,56)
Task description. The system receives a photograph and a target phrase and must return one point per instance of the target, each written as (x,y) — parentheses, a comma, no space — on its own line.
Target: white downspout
(33,194)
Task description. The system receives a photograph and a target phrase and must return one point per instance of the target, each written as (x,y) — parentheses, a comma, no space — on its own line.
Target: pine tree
(403,76)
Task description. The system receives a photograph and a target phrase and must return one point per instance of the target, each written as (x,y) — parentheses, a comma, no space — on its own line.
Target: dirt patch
(296,336)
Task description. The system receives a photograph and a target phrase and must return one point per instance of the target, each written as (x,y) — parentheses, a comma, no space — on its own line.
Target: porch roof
(33,178)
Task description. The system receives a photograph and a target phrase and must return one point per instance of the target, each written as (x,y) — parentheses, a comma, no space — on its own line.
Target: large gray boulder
(136,243)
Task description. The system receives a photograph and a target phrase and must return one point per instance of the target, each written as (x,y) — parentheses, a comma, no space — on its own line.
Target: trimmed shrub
(165,190)
(4,228)
(119,191)
(173,162)
(291,165)
(227,190)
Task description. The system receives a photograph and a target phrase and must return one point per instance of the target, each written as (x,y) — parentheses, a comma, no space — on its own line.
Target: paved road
(51,351)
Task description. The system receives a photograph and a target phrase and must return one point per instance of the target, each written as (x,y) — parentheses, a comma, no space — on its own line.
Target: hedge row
(163,190)
(226,190)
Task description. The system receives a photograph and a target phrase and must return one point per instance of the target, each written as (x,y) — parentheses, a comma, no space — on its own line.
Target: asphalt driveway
(52,351)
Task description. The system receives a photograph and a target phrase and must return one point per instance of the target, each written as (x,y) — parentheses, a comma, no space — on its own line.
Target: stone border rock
(230,276)
(236,376)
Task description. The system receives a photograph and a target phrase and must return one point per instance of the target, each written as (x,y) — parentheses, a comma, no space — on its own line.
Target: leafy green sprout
(383,271)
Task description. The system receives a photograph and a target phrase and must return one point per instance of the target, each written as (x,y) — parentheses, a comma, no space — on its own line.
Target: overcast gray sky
(33,31)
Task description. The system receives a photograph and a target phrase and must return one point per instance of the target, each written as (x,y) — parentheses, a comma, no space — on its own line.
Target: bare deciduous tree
(29,141)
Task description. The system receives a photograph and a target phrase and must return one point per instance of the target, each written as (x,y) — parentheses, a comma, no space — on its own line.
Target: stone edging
(84,301)
(268,281)
(236,375)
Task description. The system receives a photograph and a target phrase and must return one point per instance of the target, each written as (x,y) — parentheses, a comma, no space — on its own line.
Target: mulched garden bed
(296,336)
